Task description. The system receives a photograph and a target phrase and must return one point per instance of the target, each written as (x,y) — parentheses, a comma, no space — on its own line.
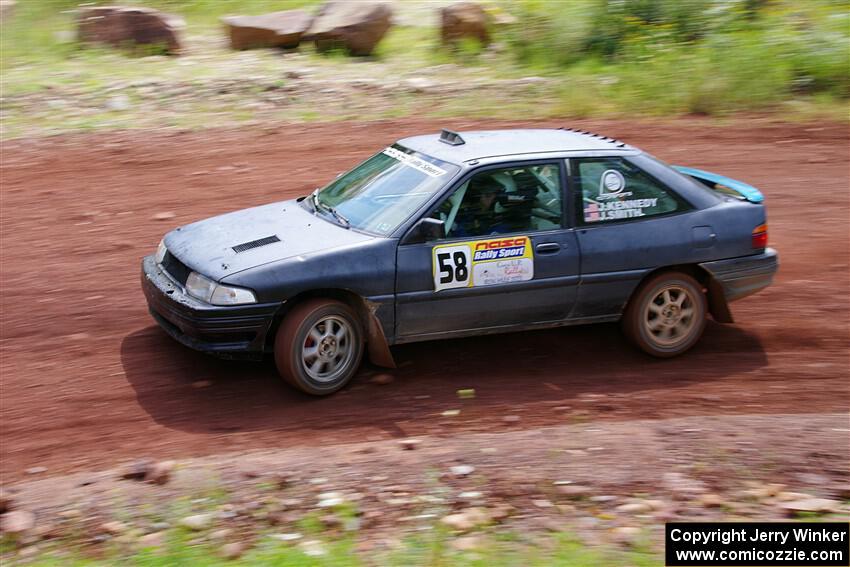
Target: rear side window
(613,190)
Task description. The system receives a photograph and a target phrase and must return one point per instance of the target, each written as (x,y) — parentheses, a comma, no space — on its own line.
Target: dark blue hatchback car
(458,234)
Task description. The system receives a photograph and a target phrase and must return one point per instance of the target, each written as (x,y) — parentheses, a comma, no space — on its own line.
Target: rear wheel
(319,346)
(666,315)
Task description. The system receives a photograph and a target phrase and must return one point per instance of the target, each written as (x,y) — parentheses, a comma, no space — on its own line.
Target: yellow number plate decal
(482,262)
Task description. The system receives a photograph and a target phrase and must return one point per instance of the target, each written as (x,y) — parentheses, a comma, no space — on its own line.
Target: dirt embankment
(88,380)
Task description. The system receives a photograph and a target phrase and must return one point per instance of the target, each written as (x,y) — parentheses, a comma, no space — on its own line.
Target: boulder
(120,26)
(277,29)
(462,20)
(354,26)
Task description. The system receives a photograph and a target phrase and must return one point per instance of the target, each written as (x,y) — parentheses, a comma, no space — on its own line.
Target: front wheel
(319,346)
(666,315)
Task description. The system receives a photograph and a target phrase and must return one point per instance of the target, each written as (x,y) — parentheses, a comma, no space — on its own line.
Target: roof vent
(256,243)
(451,138)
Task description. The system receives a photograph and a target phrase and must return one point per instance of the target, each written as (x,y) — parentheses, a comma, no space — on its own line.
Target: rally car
(458,234)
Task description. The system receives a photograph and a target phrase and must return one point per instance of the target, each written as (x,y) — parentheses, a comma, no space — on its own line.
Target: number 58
(452,267)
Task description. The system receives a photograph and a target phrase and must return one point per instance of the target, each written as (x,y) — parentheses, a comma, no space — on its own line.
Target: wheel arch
(717,304)
(377,345)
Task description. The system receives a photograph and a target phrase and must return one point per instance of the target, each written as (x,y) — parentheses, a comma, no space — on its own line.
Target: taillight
(760,236)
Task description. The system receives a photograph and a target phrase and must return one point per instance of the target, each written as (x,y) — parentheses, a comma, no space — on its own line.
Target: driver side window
(502,201)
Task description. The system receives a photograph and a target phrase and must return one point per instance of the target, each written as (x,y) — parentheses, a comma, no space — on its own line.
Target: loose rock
(409,444)
(218,535)
(462,470)
(421,85)
(113,528)
(233,550)
(711,500)
(382,379)
(197,522)
(575,491)
(152,540)
(137,470)
(810,506)
(313,548)
(467,519)
(160,473)
(118,103)
(468,543)
(683,486)
(17,522)
(626,535)
(286,537)
(634,508)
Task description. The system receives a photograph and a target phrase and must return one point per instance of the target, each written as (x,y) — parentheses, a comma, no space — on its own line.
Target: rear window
(611,189)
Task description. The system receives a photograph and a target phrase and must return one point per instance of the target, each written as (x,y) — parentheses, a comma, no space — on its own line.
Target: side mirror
(425,230)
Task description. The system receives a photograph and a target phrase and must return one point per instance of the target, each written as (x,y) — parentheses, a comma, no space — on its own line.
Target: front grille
(175,268)
(256,243)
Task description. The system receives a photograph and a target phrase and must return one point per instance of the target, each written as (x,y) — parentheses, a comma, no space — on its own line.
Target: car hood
(224,245)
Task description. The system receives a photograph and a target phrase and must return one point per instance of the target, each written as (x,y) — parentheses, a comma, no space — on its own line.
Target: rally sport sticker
(483,262)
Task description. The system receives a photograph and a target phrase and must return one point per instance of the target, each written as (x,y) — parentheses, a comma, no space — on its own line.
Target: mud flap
(379,350)
(717,304)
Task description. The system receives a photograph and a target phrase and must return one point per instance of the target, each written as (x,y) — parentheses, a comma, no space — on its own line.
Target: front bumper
(230,332)
(743,276)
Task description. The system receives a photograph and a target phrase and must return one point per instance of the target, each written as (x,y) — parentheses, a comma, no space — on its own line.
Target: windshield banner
(415,162)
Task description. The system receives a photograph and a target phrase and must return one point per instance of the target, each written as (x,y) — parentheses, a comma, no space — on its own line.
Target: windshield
(383,191)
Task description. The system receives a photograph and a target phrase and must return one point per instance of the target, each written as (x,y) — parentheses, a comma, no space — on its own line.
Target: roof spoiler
(451,138)
(725,185)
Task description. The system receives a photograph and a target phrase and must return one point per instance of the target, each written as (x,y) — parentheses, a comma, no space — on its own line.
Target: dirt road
(89,380)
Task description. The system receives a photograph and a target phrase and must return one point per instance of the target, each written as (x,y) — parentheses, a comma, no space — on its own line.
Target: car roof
(481,144)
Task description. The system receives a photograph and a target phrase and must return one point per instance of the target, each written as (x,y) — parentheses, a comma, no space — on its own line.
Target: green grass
(434,549)
(599,58)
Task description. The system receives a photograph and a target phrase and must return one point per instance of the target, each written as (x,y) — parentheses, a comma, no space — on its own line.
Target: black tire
(666,315)
(334,331)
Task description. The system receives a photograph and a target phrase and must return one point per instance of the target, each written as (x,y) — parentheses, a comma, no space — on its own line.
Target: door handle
(548,248)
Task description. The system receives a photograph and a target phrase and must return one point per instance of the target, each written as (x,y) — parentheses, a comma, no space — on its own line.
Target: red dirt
(88,379)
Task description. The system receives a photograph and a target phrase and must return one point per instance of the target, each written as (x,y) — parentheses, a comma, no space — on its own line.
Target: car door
(627,223)
(507,258)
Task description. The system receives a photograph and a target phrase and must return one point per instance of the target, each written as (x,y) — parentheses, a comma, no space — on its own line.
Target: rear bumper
(743,276)
(231,332)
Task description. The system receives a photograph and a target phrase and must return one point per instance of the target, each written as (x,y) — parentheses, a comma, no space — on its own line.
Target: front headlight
(205,289)
(160,252)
